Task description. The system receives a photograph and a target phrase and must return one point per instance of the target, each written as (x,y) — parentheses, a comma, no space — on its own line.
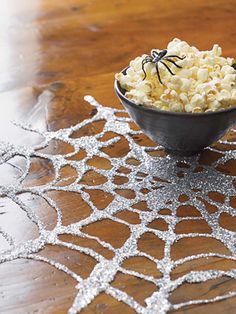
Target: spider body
(156,57)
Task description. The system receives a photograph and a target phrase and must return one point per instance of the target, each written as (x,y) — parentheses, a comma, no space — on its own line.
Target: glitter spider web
(169,186)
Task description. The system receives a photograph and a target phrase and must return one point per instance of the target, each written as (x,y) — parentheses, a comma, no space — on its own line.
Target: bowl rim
(164,112)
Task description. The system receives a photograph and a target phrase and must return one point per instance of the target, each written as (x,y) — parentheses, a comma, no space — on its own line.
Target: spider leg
(174,56)
(154,53)
(158,74)
(167,68)
(167,59)
(147,57)
(143,63)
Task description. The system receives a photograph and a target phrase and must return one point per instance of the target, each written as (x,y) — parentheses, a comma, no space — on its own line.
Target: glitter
(196,185)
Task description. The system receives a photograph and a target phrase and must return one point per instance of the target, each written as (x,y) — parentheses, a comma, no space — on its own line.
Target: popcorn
(202,75)
(206,82)
(197,100)
(186,84)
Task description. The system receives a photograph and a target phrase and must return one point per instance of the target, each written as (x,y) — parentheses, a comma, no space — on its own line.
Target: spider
(161,56)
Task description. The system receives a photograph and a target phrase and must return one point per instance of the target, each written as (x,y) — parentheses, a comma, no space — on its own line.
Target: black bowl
(182,134)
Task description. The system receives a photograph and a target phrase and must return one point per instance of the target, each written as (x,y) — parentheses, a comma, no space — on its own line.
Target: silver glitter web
(195,185)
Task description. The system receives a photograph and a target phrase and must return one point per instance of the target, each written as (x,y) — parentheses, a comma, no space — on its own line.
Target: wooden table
(73,48)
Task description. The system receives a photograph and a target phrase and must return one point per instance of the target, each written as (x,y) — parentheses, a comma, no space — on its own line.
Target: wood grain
(74,48)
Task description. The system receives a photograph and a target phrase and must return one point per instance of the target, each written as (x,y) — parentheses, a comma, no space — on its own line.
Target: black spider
(156,57)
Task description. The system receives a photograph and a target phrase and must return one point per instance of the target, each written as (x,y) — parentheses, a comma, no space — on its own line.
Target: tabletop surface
(53,53)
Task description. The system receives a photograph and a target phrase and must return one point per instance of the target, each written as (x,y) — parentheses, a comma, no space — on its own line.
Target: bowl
(180,133)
